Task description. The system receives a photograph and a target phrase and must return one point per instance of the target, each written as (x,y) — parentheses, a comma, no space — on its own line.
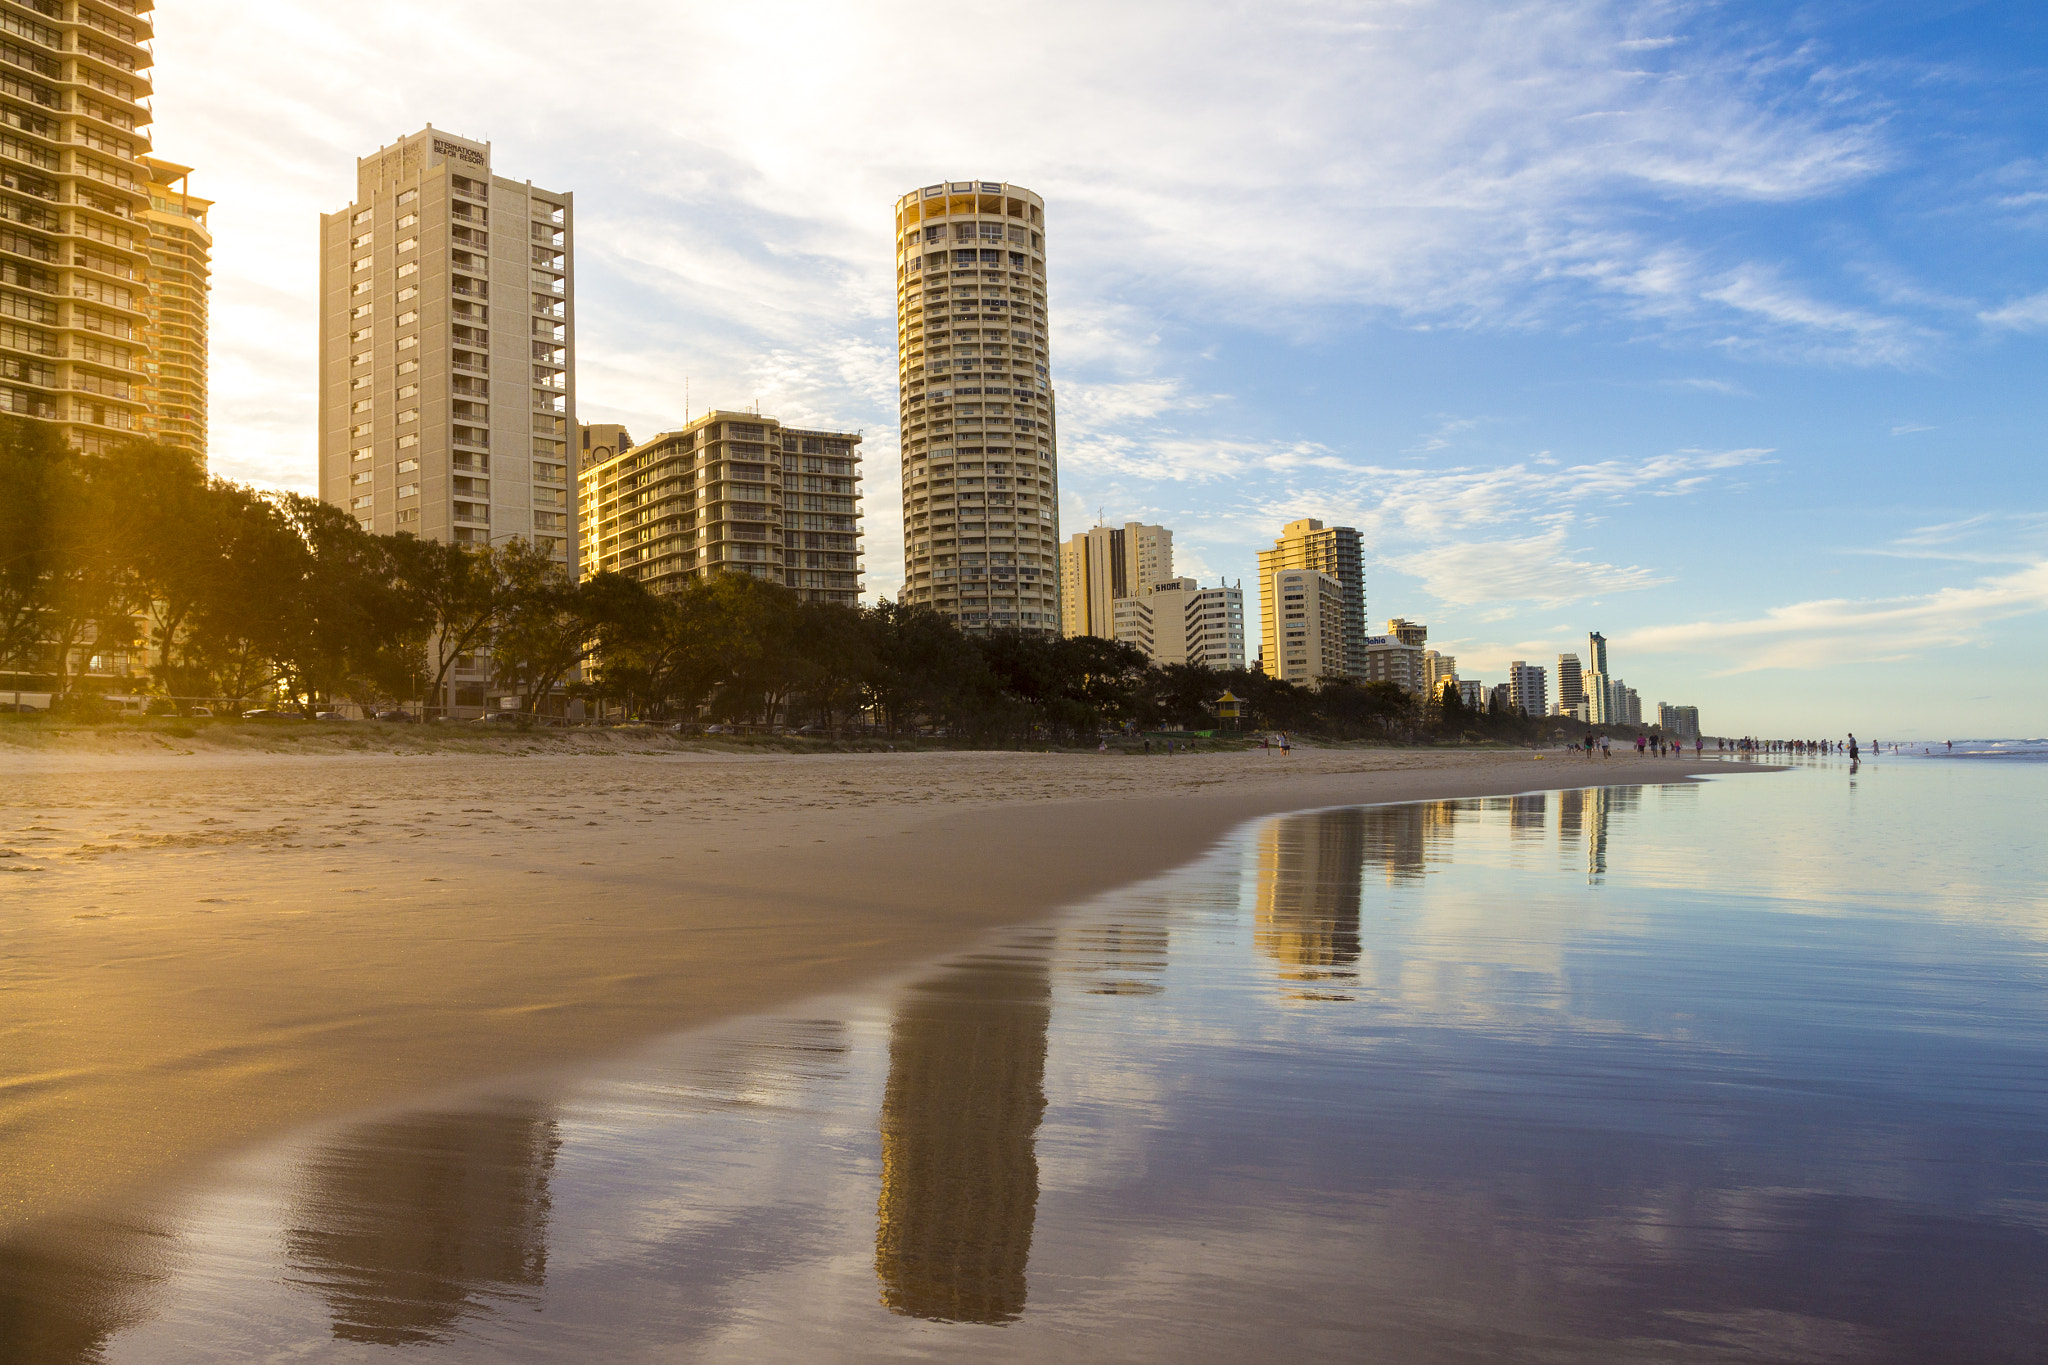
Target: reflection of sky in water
(1742,1070)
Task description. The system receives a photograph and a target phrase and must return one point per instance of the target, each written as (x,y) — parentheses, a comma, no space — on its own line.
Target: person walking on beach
(1853,755)
(1286,745)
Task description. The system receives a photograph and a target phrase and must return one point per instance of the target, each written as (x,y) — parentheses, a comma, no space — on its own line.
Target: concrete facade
(1104,564)
(447,349)
(974,384)
(1332,550)
(1305,626)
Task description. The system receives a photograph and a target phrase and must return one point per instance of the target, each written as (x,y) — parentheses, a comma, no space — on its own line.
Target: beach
(205,948)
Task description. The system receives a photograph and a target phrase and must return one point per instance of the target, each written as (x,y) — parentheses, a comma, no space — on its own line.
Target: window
(408,490)
(362,263)
(362,454)
(361,311)
(360,358)
(408,268)
(408,244)
(412,218)
(408,391)
(408,442)
(407,343)
(359,243)
(361,504)
(360,382)
(362,476)
(408,196)
(406,319)
(409,415)
(408,366)
(408,466)
(361,218)
(362,287)
(409,292)
(362,405)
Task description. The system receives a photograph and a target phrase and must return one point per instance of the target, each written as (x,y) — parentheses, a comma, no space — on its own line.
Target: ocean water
(1752,1068)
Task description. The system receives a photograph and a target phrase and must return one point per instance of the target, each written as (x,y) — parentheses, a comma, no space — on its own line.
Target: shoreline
(303,937)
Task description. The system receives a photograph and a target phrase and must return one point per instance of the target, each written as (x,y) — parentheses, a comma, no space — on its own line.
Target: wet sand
(198,951)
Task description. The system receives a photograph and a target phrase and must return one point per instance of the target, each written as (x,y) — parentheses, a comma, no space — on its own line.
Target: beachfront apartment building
(1181,622)
(1102,566)
(1437,669)
(730,492)
(1596,684)
(1388,659)
(1526,689)
(180,273)
(1682,721)
(1305,627)
(1331,550)
(1571,692)
(83,306)
(977,407)
(1472,692)
(447,349)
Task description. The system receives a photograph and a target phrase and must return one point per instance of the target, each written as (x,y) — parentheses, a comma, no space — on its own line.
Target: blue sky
(1719,328)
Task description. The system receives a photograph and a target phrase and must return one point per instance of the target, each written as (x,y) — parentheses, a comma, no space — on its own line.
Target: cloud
(1908,428)
(2022,315)
(1833,631)
(1536,569)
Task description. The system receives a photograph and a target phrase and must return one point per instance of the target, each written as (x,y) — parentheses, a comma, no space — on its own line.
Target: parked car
(206,711)
(402,717)
(330,715)
(19,708)
(503,716)
(264,713)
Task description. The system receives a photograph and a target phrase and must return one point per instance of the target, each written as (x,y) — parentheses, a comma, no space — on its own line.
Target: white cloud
(1833,631)
(1538,568)
(1453,163)
(2024,315)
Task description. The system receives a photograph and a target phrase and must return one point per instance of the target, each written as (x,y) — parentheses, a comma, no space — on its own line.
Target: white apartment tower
(447,349)
(980,472)
(1526,689)
(1182,622)
(1105,564)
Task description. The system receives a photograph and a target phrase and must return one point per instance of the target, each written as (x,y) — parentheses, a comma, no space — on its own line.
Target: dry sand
(201,949)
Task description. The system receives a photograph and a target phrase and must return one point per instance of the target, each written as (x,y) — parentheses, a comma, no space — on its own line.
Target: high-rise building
(1305,620)
(447,348)
(1597,684)
(1333,550)
(1104,564)
(1526,689)
(1437,669)
(1408,632)
(1472,692)
(1682,721)
(75,199)
(731,492)
(1181,622)
(180,267)
(980,466)
(1386,658)
(1570,686)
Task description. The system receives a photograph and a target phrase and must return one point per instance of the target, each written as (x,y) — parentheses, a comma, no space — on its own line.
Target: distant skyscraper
(1526,689)
(1570,687)
(1333,550)
(980,472)
(1682,721)
(1104,564)
(447,349)
(1472,692)
(1597,683)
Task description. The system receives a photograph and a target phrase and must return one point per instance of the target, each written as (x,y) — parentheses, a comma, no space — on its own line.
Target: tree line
(244,596)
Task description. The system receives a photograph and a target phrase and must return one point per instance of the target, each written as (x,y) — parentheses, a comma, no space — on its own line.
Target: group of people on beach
(1654,746)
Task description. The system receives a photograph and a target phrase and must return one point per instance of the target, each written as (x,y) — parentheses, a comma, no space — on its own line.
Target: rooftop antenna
(686,400)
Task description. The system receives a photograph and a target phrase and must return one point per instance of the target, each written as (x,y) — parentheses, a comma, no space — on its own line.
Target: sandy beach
(200,949)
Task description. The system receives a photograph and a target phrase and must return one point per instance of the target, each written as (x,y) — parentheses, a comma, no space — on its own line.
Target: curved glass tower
(980,476)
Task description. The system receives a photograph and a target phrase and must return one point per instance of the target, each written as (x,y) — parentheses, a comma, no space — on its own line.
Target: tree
(454,598)
(551,624)
(34,479)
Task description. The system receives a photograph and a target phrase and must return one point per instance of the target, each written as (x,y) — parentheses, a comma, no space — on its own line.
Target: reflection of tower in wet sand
(62,1297)
(1571,814)
(1122,958)
(1310,879)
(1599,801)
(1526,816)
(959,1121)
(408,1226)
